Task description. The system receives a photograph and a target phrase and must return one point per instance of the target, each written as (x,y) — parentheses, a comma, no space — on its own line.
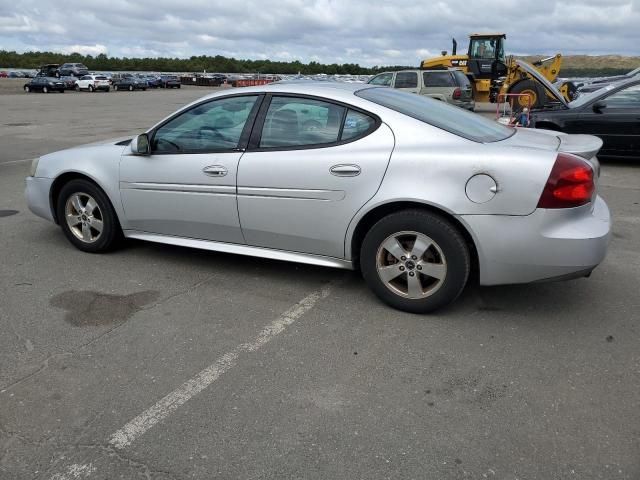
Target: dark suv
(72,69)
(169,81)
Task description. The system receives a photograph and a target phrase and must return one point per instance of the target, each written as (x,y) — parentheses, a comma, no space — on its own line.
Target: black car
(169,81)
(128,82)
(45,85)
(611,113)
(48,70)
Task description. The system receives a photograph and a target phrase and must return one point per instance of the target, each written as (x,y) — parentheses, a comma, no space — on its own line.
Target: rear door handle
(345,170)
(215,171)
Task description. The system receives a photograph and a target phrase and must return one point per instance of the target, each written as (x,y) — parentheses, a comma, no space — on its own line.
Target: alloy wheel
(84,217)
(411,265)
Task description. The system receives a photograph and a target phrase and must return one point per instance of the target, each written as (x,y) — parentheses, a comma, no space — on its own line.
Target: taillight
(570,183)
(457,93)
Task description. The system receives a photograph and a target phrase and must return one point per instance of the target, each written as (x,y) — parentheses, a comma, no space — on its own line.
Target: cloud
(368,32)
(94,50)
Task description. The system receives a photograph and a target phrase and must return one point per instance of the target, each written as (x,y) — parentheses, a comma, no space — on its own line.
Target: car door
(407,81)
(186,186)
(616,119)
(310,166)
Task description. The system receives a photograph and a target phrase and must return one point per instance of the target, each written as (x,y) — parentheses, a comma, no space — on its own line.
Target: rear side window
(356,124)
(439,114)
(406,80)
(292,122)
(438,79)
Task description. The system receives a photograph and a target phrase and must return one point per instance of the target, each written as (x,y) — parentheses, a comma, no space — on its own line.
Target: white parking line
(164,407)
(75,471)
(17,161)
(171,402)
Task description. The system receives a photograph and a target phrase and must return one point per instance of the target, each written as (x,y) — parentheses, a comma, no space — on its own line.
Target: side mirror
(598,106)
(140,145)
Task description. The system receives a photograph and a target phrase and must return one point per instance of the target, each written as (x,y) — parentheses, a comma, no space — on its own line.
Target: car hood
(546,83)
(585,146)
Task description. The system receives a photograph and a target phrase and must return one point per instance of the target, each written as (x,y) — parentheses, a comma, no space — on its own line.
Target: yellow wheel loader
(492,73)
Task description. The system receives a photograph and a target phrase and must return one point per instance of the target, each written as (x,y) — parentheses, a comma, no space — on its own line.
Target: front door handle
(215,171)
(345,170)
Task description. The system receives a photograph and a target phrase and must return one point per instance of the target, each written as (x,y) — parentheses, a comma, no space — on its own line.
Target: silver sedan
(413,192)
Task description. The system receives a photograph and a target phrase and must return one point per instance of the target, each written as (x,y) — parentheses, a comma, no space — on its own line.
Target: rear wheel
(87,217)
(533,90)
(415,261)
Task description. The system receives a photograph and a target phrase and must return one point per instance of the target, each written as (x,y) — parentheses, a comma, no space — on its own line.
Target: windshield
(439,114)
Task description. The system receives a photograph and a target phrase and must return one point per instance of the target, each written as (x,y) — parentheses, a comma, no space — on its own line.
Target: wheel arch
(64,178)
(368,219)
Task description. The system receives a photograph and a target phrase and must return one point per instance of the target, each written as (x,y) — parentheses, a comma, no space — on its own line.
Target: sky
(367,32)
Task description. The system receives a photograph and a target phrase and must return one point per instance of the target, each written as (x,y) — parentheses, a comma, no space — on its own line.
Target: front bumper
(546,245)
(37,195)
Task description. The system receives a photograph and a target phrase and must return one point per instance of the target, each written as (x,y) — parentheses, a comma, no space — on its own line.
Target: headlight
(34,167)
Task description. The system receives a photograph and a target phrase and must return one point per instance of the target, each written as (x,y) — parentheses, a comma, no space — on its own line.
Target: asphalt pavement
(171,363)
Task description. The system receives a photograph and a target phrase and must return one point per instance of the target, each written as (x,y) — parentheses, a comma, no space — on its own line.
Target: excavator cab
(486,55)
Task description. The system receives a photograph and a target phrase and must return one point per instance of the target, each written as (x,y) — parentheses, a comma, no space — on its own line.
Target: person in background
(523,118)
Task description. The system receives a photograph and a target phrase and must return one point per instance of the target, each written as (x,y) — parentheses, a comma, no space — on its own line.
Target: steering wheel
(213,131)
(175,145)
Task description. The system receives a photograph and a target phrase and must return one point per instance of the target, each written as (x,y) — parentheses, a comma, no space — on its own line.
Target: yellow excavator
(492,73)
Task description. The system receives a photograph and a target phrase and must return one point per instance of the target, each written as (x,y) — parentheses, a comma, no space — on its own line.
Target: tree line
(217,63)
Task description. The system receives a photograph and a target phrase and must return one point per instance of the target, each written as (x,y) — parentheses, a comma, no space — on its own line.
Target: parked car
(73,69)
(128,82)
(93,83)
(341,175)
(153,81)
(612,113)
(69,82)
(169,81)
(44,85)
(599,83)
(49,70)
(4,74)
(451,86)
(15,75)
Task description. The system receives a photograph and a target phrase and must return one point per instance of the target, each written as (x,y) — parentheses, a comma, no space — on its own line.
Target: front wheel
(87,217)
(530,88)
(45,90)
(91,88)
(415,261)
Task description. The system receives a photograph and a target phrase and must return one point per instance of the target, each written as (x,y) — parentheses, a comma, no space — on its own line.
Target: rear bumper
(546,245)
(37,195)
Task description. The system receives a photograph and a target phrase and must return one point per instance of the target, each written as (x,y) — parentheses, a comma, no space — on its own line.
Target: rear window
(438,79)
(463,80)
(100,77)
(439,114)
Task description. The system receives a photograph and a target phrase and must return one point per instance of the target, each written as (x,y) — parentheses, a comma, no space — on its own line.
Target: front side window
(210,127)
(438,79)
(384,79)
(406,80)
(292,122)
(627,98)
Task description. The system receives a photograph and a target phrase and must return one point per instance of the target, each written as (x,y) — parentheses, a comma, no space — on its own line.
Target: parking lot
(171,363)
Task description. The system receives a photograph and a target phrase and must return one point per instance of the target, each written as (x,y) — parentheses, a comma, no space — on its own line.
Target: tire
(91,88)
(27,89)
(115,88)
(107,90)
(131,88)
(531,87)
(77,88)
(446,257)
(45,90)
(95,241)
(178,86)
(62,91)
